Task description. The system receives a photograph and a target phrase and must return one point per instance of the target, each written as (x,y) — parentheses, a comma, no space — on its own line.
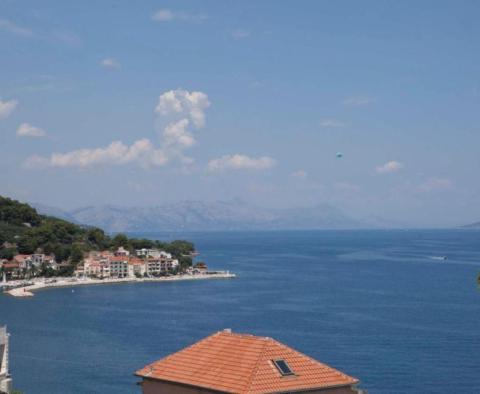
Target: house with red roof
(227,362)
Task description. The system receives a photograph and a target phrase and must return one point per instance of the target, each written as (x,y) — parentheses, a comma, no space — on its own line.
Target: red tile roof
(11,265)
(243,364)
(119,258)
(136,261)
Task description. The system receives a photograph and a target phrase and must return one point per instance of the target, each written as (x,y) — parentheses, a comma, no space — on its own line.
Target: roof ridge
(255,367)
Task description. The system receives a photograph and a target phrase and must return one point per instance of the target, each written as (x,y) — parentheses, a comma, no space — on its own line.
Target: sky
(370,106)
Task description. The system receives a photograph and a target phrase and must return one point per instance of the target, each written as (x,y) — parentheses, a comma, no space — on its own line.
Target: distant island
(39,246)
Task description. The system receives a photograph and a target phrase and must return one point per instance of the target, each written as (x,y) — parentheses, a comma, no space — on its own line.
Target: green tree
(26,245)
(76,254)
(184,262)
(179,248)
(120,240)
(7,253)
(97,238)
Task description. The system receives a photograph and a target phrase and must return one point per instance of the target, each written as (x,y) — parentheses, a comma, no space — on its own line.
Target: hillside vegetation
(23,230)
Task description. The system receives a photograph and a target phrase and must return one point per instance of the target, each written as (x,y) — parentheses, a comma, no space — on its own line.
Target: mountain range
(210,216)
(474,226)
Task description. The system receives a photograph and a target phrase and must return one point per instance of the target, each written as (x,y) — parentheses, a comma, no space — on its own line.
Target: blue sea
(374,304)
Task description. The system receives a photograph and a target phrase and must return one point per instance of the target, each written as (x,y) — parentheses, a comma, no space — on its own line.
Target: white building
(119,266)
(155,253)
(97,265)
(121,251)
(136,267)
(155,267)
(5,379)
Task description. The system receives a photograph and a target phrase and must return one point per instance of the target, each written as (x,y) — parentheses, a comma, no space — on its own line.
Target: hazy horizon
(370,107)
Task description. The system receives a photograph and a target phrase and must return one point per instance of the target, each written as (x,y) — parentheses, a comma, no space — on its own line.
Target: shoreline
(27,291)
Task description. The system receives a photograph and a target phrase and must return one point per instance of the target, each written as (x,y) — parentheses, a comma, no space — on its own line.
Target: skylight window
(283,367)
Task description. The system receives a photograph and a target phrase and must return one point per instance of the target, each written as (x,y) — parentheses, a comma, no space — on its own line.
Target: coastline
(27,291)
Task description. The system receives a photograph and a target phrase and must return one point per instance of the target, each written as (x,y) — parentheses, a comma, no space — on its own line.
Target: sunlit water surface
(375,304)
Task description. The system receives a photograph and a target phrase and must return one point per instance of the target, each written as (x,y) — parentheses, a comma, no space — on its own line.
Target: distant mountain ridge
(207,216)
(475,225)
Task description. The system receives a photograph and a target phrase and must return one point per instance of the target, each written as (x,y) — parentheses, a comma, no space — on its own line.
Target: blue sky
(215,100)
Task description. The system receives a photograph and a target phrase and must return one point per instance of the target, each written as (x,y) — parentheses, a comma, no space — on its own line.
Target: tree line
(23,230)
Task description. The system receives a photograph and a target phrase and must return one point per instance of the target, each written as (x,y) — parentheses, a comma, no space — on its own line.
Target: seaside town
(26,272)
(119,263)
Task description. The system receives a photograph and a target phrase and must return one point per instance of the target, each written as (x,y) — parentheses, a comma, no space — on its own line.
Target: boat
(439,257)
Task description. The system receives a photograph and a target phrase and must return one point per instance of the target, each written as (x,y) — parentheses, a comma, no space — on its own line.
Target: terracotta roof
(119,258)
(21,257)
(243,364)
(11,265)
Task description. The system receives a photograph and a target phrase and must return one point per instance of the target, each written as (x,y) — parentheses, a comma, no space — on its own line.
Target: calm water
(371,303)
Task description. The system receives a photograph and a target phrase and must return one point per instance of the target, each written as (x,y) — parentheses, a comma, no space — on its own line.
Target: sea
(382,306)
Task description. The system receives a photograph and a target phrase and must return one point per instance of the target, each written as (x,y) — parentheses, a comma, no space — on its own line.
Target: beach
(40,284)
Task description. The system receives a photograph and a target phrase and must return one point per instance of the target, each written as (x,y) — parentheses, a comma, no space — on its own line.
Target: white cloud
(240,162)
(7,107)
(165,15)
(180,111)
(27,130)
(391,166)
(141,152)
(184,104)
(176,133)
(300,174)
(13,28)
(111,63)
(435,183)
(359,101)
(240,33)
(331,123)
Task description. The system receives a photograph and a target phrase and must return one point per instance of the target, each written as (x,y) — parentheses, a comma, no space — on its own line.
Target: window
(283,367)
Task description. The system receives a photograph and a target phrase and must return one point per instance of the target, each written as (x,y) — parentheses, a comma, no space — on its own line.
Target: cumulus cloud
(141,152)
(390,166)
(331,123)
(176,133)
(111,63)
(358,101)
(27,130)
(165,15)
(182,103)
(7,107)
(300,174)
(179,113)
(179,110)
(13,28)
(240,162)
(435,183)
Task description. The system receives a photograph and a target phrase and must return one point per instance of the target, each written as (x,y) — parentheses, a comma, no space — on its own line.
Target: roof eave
(307,389)
(216,390)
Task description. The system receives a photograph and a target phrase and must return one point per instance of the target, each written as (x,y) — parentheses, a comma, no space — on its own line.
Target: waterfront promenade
(42,283)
